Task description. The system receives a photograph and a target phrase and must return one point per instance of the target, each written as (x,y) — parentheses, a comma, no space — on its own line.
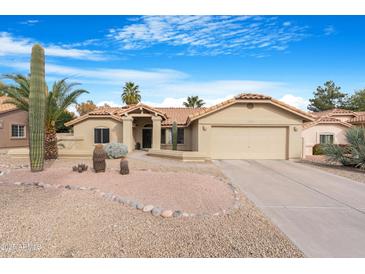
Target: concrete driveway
(323,214)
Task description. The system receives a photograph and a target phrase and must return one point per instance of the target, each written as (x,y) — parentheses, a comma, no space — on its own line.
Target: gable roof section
(6,107)
(115,113)
(360,119)
(326,120)
(335,111)
(179,115)
(248,98)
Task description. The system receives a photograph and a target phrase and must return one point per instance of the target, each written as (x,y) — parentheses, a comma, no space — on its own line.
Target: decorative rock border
(149,208)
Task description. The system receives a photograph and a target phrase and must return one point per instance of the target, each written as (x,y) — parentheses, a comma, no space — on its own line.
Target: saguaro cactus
(37,105)
(174,136)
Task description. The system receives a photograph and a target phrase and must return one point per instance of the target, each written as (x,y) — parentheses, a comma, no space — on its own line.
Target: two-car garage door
(249,142)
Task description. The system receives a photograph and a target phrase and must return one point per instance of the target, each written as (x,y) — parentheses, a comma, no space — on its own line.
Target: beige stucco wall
(194,135)
(6,120)
(85,130)
(263,114)
(311,135)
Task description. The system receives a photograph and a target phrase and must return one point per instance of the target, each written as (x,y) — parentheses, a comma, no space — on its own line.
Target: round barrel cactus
(116,150)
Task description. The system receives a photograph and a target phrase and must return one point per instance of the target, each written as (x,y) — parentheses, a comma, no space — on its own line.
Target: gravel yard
(348,172)
(189,192)
(39,222)
(51,222)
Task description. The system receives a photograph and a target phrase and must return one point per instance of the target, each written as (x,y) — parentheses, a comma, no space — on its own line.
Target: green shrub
(352,154)
(317,149)
(116,150)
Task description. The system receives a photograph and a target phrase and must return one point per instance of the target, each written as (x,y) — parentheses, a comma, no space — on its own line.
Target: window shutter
(97,135)
(105,135)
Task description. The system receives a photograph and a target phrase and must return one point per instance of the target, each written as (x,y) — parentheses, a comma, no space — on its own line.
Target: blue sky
(172,57)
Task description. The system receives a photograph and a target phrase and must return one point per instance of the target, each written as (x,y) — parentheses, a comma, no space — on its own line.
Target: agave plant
(352,154)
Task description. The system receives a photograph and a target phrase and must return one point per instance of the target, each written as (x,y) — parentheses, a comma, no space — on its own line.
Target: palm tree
(58,100)
(194,102)
(131,94)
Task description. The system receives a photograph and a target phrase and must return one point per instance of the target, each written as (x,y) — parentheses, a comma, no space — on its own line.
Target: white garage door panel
(249,142)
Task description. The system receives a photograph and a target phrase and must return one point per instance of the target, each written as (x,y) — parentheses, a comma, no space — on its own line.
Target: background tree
(357,101)
(327,97)
(2,88)
(193,102)
(61,96)
(131,94)
(64,118)
(85,107)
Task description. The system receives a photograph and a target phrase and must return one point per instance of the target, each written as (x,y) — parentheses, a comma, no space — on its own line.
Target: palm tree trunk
(50,145)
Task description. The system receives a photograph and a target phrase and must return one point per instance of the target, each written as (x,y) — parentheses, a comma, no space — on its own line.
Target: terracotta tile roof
(335,111)
(179,115)
(360,119)
(249,97)
(170,115)
(5,107)
(326,120)
(252,96)
(182,115)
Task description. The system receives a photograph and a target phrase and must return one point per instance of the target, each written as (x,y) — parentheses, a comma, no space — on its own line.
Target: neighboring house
(248,126)
(13,126)
(329,128)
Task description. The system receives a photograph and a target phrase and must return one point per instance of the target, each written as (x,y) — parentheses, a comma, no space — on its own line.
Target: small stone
(185,214)
(216,214)
(156,211)
(120,200)
(167,213)
(2,173)
(17,183)
(139,206)
(133,204)
(148,208)
(68,187)
(177,213)
(83,188)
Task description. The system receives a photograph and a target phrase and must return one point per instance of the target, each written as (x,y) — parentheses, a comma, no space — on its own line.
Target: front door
(147,138)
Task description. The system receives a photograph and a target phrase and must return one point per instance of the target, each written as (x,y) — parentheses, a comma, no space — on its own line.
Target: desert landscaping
(83,220)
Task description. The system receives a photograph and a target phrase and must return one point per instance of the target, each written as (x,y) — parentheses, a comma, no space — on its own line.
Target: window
(163,135)
(326,139)
(180,136)
(17,131)
(101,135)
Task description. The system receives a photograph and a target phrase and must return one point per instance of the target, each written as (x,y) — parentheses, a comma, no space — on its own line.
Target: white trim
(17,137)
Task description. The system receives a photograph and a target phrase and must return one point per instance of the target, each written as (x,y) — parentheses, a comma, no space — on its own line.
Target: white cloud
(209,35)
(178,102)
(106,75)
(164,87)
(295,101)
(329,30)
(22,46)
(30,22)
(110,103)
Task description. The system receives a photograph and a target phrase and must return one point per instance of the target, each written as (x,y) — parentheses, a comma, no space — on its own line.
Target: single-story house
(330,126)
(248,126)
(13,126)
